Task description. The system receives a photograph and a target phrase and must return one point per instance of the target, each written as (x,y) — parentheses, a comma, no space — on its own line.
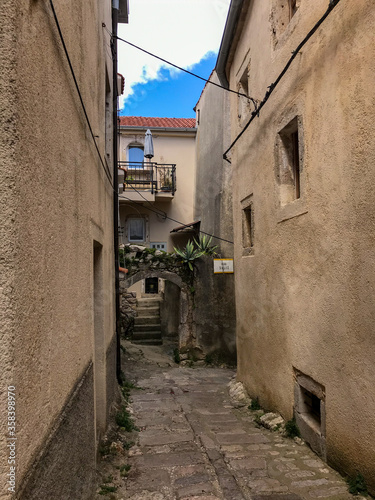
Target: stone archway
(144,267)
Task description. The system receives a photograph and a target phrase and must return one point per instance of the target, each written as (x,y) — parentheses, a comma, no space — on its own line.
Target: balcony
(148,180)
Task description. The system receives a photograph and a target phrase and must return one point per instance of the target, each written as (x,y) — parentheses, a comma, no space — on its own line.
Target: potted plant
(166,181)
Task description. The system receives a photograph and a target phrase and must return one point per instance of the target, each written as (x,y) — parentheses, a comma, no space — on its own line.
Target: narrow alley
(192,442)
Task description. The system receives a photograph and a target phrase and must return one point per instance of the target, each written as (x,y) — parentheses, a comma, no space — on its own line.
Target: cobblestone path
(193,444)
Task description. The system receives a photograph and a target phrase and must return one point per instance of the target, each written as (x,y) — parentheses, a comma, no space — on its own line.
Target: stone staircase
(147,329)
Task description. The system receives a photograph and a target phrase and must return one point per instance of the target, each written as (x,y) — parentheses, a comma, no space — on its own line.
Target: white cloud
(180,31)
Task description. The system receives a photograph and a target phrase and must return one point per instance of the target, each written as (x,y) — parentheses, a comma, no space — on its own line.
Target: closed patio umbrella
(149,147)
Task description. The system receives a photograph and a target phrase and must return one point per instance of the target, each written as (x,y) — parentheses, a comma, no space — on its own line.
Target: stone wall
(215,310)
(142,263)
(128,303)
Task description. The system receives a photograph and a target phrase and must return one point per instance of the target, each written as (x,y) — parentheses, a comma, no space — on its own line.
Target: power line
(104,165)
(174,220)
(162,213)
(271,88)
(185,70)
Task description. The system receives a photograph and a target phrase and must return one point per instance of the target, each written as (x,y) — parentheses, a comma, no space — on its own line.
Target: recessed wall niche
(310,411)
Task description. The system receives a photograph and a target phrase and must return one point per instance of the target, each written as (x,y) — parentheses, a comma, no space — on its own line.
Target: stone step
(149,311)
(148,342)
(153,327)
(146,335)
(148,302)
(146,320)
(148,307)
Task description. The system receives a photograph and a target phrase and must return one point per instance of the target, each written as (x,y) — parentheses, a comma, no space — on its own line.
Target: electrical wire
(162,213)
(104,164)
(174,220)
(271,88)
(254,101)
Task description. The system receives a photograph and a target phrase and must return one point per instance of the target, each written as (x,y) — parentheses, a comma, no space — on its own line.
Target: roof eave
(227,40)
(157,129)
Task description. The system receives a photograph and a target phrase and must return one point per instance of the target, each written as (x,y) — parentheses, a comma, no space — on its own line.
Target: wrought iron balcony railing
(149,176)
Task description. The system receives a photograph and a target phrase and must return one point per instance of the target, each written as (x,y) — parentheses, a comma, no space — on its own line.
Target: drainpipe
(115,12)
(233,18)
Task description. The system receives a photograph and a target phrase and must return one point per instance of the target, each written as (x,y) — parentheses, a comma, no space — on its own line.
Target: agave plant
(189,254)
(204,245)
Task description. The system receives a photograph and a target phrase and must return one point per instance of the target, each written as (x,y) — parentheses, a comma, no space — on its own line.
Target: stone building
(303,191)
(161,184)
(215,319)
(157,201)
(57,298)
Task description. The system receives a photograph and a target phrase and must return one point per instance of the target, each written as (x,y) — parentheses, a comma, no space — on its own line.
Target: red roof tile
(143,121)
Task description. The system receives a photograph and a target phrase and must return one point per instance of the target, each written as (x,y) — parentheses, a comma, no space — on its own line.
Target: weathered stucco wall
(56,202)
(305,290)
(8,164)
(215,318)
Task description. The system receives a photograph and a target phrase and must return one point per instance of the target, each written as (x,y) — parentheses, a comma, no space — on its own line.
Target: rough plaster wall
(8,144)
(169,310)
(75,425)
(59,204)
(215,318)
(312,276)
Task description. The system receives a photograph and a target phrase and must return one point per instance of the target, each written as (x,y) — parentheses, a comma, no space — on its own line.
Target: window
(309,411)
(159,246)
(289,162)
(136,230)
(293,7)
(152,285)
(282,13)
(136,154)
(248,226)
(243,88)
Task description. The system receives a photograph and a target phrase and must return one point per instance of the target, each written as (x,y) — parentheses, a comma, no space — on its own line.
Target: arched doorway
(186,334)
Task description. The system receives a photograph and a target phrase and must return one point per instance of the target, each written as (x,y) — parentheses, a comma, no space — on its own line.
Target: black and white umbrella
(149,146)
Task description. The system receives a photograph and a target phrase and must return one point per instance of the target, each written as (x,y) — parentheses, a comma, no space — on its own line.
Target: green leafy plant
(124,470)
(204,245)
(127,444)
(209,359)
(124,420)
(357,485)
(105,489)
(176,355)
(108,479)
(254,404)
(257,419)
(104,449)
(166,180)
(292,429)
(189,254)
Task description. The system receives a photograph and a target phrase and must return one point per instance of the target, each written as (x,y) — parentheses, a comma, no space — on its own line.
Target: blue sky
(187,33)
(172,95)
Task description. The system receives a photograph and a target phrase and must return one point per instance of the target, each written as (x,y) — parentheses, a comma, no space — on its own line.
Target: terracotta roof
(143,121)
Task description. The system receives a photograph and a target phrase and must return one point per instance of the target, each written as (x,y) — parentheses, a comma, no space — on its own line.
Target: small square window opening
(289,163)
(292,8)
(248,229)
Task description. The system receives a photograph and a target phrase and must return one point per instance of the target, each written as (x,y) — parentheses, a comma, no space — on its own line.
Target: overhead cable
(187,71)
(104,165)
(157,212)
(271,88)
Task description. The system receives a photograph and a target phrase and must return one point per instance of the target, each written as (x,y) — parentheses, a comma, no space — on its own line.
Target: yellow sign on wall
(223,266)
